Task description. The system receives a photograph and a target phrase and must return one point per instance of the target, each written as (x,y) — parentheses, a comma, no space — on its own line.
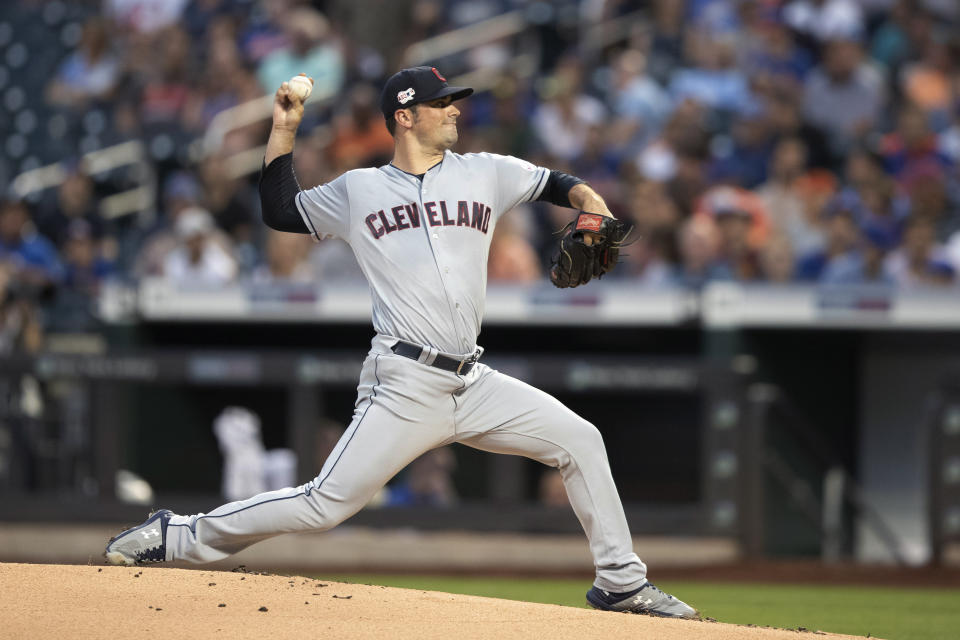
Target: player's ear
(404,117)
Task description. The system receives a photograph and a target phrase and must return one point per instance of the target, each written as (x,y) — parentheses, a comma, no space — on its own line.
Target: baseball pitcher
(421,227)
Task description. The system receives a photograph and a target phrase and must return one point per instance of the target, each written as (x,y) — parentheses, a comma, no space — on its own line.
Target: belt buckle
(471,360)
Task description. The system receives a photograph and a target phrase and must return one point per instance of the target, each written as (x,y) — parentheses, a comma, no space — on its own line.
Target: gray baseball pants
(403,409)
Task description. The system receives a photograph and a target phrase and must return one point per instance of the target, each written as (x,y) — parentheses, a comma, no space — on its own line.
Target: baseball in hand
(301,86)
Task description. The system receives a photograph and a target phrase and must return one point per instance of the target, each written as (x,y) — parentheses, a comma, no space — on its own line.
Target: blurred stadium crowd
(767,141)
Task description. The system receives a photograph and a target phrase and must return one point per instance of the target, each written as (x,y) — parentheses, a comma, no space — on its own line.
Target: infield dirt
(69,601)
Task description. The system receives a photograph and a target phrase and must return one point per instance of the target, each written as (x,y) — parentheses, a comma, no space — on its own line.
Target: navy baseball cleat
(647,599)
(146,542)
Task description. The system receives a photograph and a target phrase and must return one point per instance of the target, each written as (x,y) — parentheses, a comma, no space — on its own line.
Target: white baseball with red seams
(301,86)
(423,245)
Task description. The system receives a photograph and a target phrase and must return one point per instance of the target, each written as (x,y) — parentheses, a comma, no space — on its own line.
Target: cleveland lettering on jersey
(413,213)
(431,209)
(438,214)
(398,216)
(371,221)
(386,223)
(447,220)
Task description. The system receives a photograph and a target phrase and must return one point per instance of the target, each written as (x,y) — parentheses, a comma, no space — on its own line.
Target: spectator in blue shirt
(88,74)
(843,240)
(426,482)
(84,267)
(32,255)
(745,163)
(639,104)
(920,261)
(865,265)
(714,80)
(773,56)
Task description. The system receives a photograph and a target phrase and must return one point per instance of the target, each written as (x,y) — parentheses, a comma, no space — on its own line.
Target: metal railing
(598,35)
(469,37)
(821,498)
(245,161)
(139,199)
(943,506)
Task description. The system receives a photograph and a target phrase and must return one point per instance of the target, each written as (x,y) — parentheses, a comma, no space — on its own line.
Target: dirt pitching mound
(66,601)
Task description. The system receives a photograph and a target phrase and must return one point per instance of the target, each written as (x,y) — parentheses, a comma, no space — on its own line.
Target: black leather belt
(412,351)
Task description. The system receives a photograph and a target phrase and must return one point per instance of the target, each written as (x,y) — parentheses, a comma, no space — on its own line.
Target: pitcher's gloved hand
(589,247)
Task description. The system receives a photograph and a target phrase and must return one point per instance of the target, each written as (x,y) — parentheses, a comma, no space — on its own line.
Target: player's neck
(411,157)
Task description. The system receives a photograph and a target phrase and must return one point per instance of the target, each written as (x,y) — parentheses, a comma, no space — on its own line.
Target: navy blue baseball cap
(408,87)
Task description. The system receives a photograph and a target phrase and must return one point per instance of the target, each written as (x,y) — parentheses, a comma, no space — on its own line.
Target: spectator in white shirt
(564,119)
(198,259)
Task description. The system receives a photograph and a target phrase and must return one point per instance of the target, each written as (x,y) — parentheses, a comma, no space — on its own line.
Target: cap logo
(437,73)
(405,96)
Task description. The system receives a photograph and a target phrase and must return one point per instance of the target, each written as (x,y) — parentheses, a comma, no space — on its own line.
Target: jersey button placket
(434,245)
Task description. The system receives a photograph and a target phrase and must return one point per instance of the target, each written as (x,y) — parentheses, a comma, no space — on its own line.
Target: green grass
(893,613)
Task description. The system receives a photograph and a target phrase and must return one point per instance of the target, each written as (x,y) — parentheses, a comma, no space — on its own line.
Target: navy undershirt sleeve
(278,190)
(557,189)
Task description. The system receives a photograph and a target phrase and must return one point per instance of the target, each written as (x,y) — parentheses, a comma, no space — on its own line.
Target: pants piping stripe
(305,492)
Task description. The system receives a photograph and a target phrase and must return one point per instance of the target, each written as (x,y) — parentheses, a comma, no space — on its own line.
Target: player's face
(436,121)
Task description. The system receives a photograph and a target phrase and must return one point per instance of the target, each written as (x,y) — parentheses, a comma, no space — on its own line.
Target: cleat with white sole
(144,543)
(648,599)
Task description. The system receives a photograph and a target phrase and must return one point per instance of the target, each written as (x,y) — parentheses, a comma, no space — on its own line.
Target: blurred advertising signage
(833,300)
(224,369)
(584,375)
(311,370)
(565,298)
(97,367)
(285,293)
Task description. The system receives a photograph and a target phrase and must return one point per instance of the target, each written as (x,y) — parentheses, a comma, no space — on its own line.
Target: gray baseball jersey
(423,246)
